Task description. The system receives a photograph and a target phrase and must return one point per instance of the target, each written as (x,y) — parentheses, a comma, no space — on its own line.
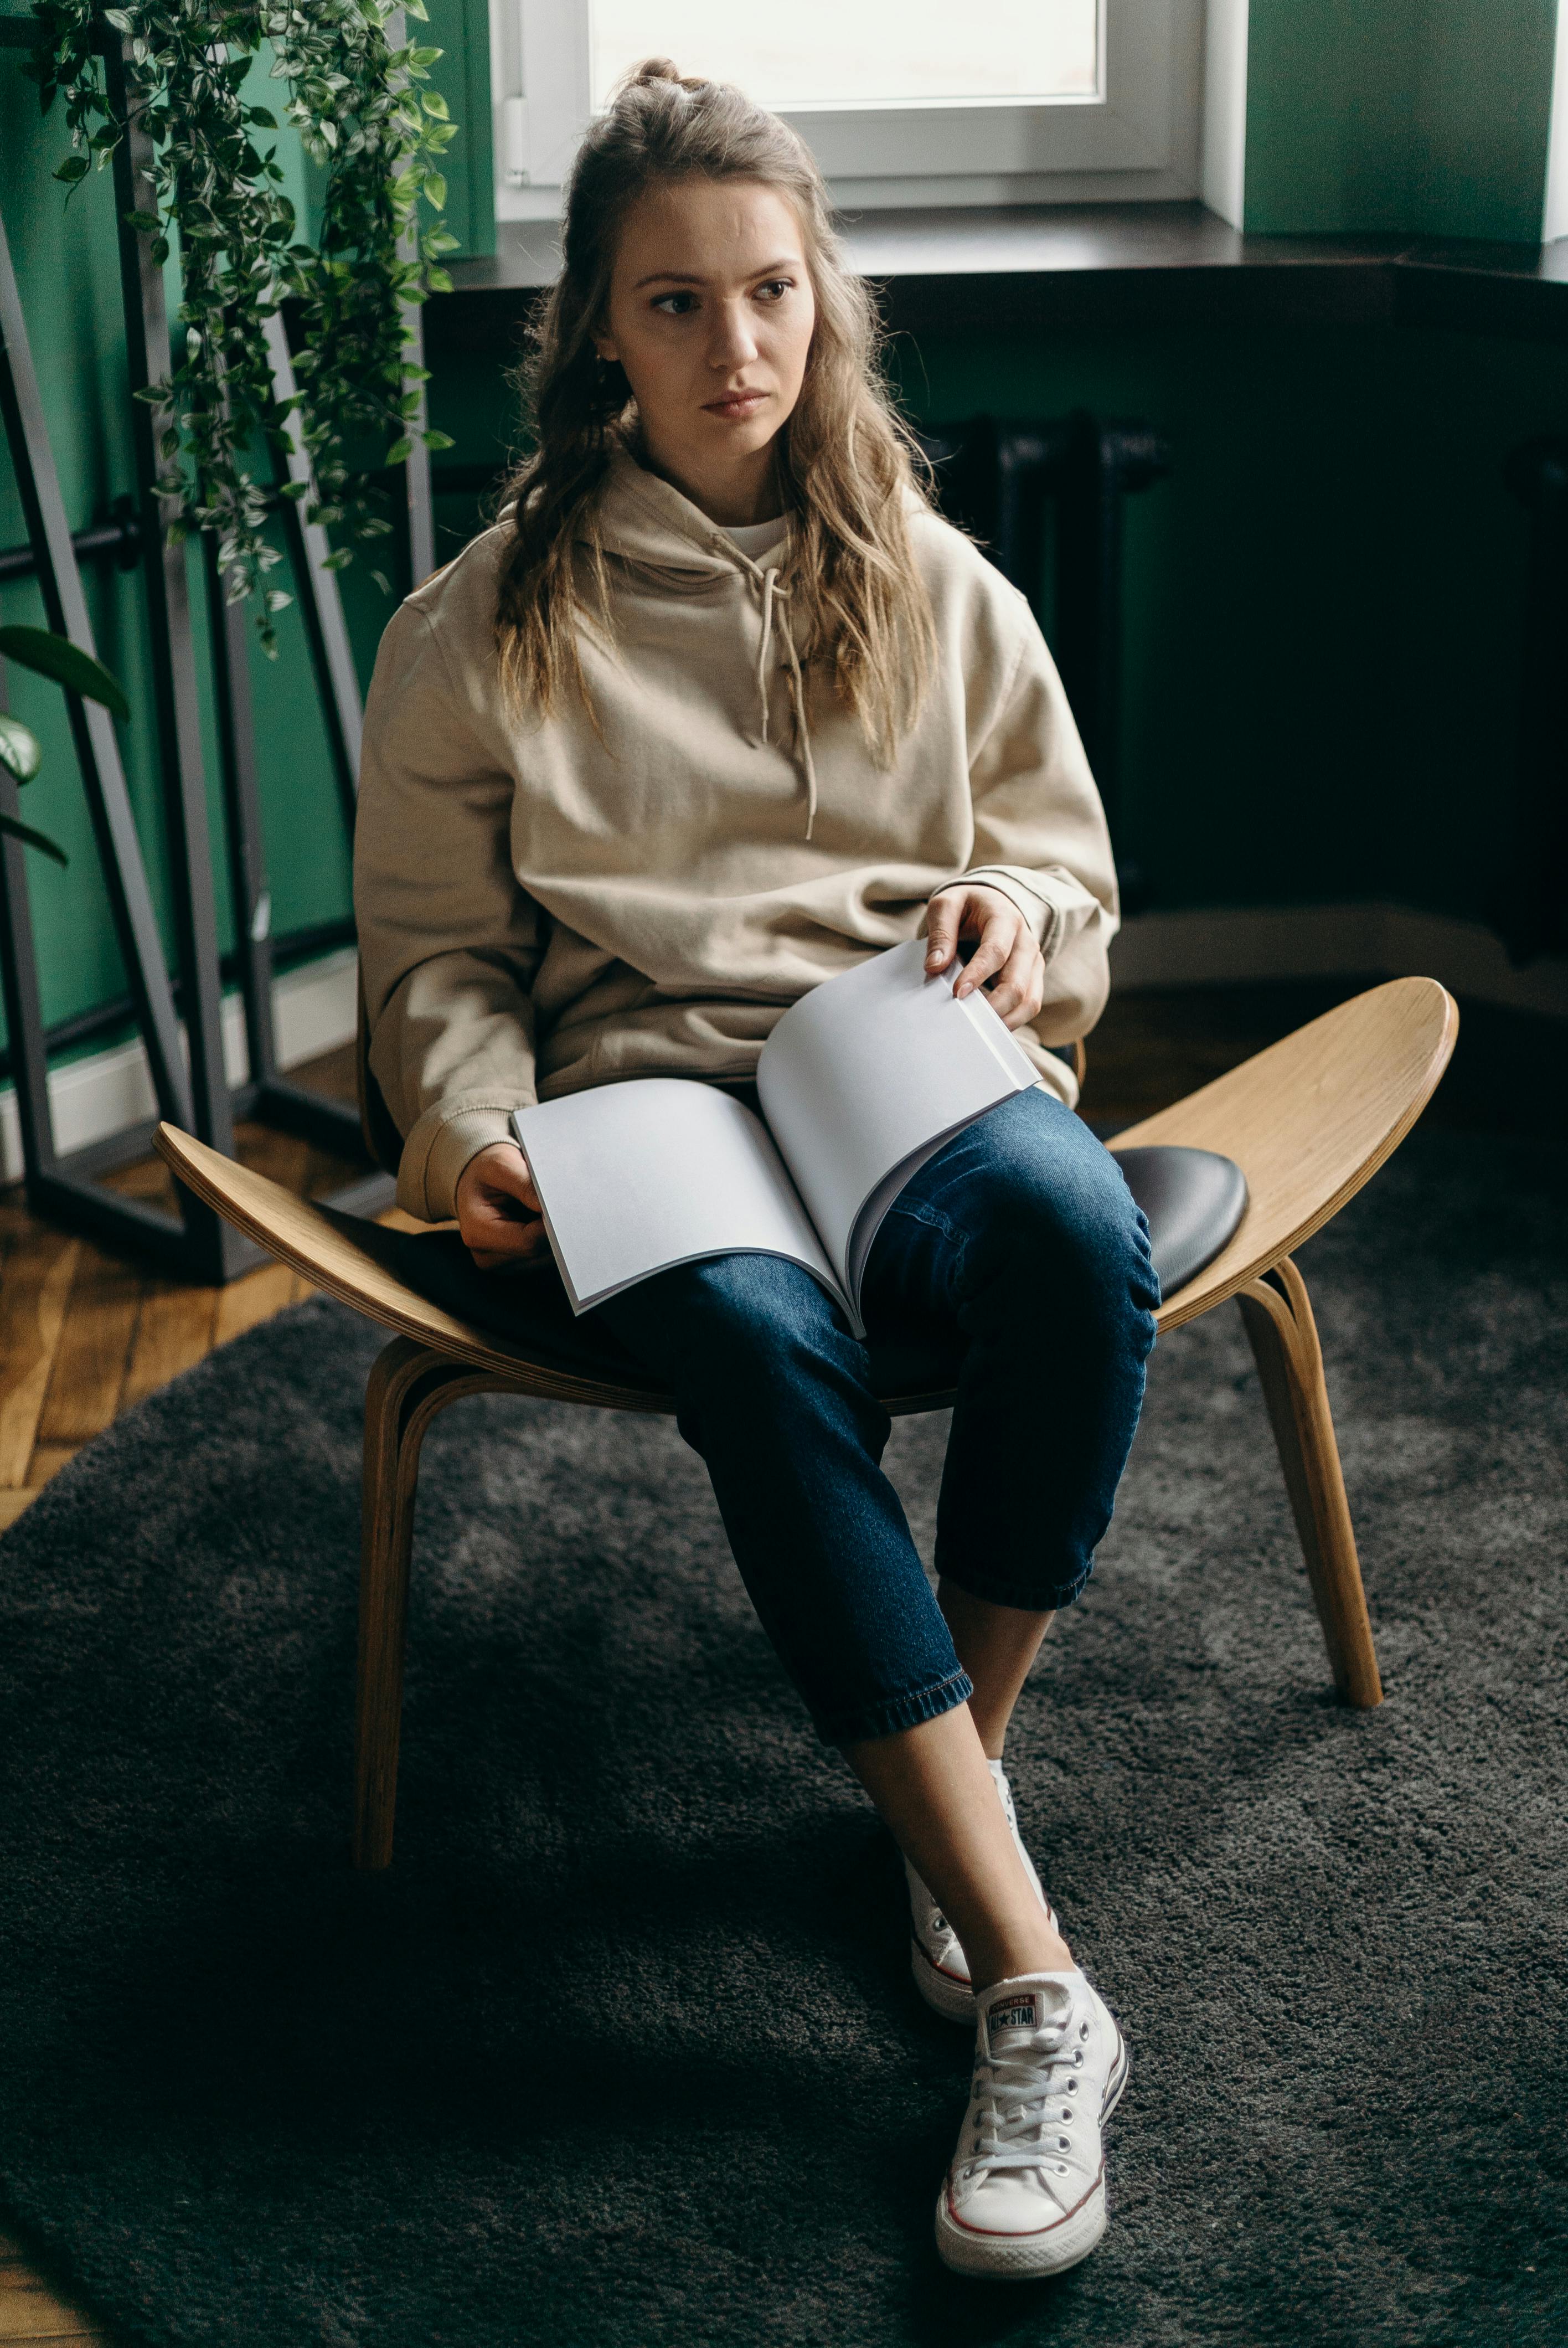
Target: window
(904,102)
(879,54)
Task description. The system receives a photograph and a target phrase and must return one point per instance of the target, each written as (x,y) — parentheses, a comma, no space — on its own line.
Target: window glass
(871,53)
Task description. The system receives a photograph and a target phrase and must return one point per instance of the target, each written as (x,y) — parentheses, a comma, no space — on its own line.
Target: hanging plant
(363,111)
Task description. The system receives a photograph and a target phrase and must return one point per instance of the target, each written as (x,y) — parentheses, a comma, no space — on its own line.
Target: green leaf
(118,18)
(436,190)
(57,657)
(260,116)
(21,752)
(31,838)
(416,8)
(277,600)
(439,440)
(340,560)
(434,103)
(438,280)
(398,451)
(74,168)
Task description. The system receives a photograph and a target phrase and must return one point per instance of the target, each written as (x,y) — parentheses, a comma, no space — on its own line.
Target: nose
(734,343)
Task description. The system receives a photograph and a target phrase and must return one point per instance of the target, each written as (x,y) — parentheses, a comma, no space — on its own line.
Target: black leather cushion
(1193,1201)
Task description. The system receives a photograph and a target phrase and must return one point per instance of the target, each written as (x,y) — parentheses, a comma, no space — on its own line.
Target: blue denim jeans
(1018,1246)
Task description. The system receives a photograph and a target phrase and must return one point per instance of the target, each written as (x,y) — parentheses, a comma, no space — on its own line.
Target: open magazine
(861,1082)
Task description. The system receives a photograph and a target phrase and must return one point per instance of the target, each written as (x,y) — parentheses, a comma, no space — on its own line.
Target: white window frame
(1139,138)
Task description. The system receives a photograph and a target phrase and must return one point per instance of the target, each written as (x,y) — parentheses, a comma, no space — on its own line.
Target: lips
(735,405)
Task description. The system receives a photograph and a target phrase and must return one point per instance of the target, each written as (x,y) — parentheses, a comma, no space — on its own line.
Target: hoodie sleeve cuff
(1020,887)
(441,1145)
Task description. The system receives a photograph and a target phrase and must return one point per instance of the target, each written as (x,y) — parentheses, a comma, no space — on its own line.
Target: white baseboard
(313,1009)
(1231,945)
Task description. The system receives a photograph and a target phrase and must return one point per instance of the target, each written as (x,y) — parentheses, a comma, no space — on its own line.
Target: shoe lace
(1021,2106)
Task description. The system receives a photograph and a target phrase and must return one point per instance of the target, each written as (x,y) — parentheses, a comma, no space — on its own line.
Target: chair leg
(408,1385)
(1278,1313)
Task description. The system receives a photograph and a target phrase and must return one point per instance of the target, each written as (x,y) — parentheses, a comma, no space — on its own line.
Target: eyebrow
(689,277)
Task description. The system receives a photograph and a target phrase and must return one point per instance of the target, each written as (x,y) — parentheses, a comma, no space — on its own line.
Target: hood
(642,520)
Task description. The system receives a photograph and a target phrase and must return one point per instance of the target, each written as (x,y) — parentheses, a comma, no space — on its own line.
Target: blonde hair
(847,464)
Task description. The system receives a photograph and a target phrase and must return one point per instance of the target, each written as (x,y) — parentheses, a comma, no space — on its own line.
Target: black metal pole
(417,466)
(215,1247)
(92,728)
(250,898)
(321,604)
(19,984)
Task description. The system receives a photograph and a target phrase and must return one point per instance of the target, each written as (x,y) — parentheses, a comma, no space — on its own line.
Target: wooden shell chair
(1307,1121)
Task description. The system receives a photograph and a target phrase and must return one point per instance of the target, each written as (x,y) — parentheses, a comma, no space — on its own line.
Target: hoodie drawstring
(774,596)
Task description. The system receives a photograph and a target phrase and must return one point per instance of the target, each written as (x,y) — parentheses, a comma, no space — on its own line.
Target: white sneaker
(938,1962)
(1026,2193)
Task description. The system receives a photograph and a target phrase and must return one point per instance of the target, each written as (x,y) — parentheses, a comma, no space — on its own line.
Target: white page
(659,1170)
(864,1079)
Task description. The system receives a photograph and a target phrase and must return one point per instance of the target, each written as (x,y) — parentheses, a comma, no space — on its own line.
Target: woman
(718,709)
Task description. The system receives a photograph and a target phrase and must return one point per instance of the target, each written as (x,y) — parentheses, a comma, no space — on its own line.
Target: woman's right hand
(498,1209)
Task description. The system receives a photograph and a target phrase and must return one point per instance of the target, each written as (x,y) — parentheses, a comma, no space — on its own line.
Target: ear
(605,346)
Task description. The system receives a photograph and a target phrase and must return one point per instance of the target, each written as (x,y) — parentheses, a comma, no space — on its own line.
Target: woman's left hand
(1007,963)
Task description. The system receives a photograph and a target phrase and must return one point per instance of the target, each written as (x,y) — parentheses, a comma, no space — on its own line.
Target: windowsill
(1080,262)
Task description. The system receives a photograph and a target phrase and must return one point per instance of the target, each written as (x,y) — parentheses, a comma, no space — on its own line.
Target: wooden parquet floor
(84,1334)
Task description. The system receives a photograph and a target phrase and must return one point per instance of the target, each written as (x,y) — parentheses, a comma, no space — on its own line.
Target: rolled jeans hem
(897,1712)
(1031,1600)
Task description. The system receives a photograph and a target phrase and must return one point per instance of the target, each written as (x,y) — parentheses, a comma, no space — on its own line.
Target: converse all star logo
(1013,2013)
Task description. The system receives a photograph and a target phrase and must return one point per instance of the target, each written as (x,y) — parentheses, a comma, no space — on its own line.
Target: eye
(674,305)
(775,289)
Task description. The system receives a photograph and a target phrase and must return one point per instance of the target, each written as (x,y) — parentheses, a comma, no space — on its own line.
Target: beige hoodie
(540,909)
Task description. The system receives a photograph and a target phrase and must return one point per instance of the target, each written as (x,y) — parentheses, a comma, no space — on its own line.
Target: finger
(490,1243)
(1016,996)
(486,1260)
(942,919)
(495,1223)
(509,1171)
(510,1206)
(996,944)
(1011,980)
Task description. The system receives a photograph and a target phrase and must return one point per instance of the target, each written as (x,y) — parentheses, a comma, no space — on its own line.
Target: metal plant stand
(189,1079)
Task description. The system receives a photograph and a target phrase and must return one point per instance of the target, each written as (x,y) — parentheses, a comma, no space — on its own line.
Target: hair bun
(656,70)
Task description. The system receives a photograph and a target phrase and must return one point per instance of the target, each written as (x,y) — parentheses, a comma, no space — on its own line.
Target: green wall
(1426,117)
(65,255)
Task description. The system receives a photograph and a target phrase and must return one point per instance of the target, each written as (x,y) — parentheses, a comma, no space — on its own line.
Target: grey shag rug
(624,2053)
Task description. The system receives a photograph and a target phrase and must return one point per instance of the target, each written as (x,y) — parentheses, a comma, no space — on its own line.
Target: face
(711,315)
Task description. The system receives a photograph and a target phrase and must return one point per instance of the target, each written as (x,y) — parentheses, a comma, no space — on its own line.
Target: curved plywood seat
(360,1263)
(1307,1121)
